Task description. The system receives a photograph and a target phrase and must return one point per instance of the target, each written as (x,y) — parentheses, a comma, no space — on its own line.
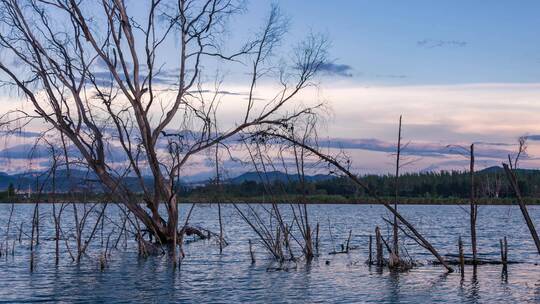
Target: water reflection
(393,286)
(207,276)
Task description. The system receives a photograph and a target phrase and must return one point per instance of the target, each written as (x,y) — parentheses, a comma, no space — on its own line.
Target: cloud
(434,43)
(452,164)
(393,76)
(21,133)
(416,149)
(534,137)
(32,151)
(336,69)
(24,151)
(103,77)
(219,92)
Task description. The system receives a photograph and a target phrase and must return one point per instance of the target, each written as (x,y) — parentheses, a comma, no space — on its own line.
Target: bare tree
(394,258)
(286,236)
(334,162)
(474,206)
(102,77)
(510,170)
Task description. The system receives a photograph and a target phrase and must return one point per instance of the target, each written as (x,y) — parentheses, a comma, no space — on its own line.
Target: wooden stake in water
(370,259)
(504,251)
(504,259)
(317,239)
(379,246)
(252,255)
(348,241)
(461,257)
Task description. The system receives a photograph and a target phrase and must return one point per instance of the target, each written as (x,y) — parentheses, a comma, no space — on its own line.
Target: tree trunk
(396,239)
(513,182)
(474,208)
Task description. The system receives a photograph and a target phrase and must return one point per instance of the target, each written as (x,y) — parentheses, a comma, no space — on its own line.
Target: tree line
(444,184)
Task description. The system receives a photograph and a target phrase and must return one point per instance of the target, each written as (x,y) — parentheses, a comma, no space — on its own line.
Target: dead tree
(394,258)
(509,169)
(512,179)
(335,163)
(461,257)
(474,206)
(104,77)
(379,247)
(219,191)
(275,229)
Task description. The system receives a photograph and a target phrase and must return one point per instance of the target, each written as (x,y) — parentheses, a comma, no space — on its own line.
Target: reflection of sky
(209,277)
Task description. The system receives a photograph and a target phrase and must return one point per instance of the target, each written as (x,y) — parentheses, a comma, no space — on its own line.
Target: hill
(273,176)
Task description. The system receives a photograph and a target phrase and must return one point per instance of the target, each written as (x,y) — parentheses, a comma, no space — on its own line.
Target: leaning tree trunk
(515,186)
(420,238)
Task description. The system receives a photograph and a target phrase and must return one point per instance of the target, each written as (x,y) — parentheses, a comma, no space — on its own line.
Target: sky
(425,42)
(459,72)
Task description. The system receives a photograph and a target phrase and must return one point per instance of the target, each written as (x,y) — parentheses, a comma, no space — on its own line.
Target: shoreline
(310,200)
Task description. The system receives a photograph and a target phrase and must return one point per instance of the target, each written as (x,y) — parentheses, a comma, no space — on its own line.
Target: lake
(206,276)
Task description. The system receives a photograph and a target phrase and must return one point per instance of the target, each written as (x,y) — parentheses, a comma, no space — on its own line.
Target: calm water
(206,276)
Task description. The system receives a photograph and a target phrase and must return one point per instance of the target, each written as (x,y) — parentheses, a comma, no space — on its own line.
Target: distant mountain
(273,176)
(79,180)
(497,169)
(492,169)
(75,180)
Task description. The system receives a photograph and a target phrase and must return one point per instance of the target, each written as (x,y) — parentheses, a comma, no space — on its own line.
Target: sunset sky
(459,72)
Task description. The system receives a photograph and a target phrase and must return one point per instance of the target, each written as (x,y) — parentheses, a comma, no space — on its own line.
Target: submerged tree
(129,78)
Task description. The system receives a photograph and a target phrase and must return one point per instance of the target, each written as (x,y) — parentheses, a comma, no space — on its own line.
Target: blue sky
(481,41)
(411,42)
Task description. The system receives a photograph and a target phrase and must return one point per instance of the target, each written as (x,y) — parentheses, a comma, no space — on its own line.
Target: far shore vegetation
(445,187)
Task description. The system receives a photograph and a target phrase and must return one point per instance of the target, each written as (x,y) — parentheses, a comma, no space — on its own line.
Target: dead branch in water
(395,253)
(251,253)
(512,179)
(355,179)
(473,204)
(277,235)
(219,189)
(522,206)
(7,230)
(370,259)
(461,257)
(504,251)
(378,247)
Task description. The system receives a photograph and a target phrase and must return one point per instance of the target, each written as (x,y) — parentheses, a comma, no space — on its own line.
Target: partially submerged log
(147,248)
(201,234)
(189,231)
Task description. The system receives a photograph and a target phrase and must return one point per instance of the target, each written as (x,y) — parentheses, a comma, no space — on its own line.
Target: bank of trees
(445,184)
